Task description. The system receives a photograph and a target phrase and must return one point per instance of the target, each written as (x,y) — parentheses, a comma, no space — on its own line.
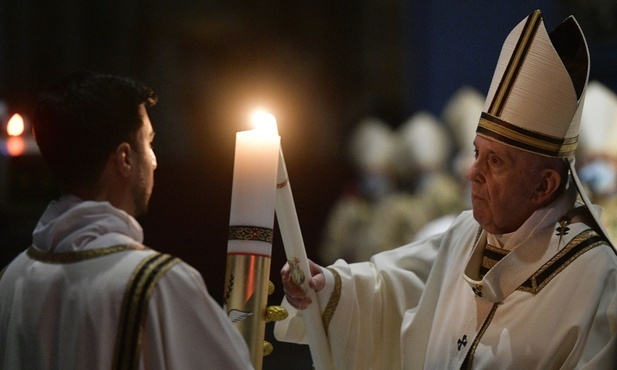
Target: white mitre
(422,145)
(597,153)
(461,114)
(370,145)
(598,132)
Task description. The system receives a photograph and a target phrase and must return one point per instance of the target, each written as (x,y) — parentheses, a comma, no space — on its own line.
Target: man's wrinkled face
(143,182)
(503,180)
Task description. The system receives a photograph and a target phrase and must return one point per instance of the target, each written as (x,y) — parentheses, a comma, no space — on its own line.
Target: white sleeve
(372,299)
(187,329)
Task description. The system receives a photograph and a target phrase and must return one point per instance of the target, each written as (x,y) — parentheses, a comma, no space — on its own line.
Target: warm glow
(15,146)
(15,127)
(263,120)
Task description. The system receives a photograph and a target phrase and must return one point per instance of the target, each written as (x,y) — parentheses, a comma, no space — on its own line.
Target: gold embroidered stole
(77,256)
(136,294)
(134,308)
(580,244)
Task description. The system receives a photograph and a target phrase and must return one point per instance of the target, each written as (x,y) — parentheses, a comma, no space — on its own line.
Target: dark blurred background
(318,66)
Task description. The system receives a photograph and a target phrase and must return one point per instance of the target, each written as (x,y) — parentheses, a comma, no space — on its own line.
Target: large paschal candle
(251,222)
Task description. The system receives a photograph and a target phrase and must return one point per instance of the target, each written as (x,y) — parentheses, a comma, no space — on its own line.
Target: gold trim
(134,308)
(72,257)
(491,255)
(538,284)
(467,364)
(333,302)
(251,233)
(487,261)
(514,64)
(565,148)
(494,249)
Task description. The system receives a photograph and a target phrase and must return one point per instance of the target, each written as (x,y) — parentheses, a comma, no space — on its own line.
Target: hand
(295,295)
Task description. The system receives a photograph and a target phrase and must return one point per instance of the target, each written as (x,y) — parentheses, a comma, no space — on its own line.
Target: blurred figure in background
(598,153)
(346,233)
(460,114)
(426,190)
(404,182)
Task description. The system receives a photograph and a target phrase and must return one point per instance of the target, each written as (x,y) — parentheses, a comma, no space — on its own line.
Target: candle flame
(15,126)
(263,120)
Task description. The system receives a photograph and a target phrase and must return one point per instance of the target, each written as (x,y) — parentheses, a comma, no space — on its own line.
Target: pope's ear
(548,186)
(122,159)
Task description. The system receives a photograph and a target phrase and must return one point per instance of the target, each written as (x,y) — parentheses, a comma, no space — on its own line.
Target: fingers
(295,295)
(315,268)
(318,282)
(285,271)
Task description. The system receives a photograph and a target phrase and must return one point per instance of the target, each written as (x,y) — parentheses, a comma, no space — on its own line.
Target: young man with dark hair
(88,293)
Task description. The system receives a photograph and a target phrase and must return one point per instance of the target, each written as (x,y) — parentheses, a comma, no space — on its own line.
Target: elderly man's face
(503,183)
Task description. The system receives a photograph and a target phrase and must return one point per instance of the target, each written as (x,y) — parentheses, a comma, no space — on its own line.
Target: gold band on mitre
(499,130)
(519,54)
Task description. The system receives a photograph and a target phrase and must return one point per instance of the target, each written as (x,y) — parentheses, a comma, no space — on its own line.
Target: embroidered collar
(71,257)
(538,240)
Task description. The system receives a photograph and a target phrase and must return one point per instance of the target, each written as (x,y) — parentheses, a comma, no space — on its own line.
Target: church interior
(321,68)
